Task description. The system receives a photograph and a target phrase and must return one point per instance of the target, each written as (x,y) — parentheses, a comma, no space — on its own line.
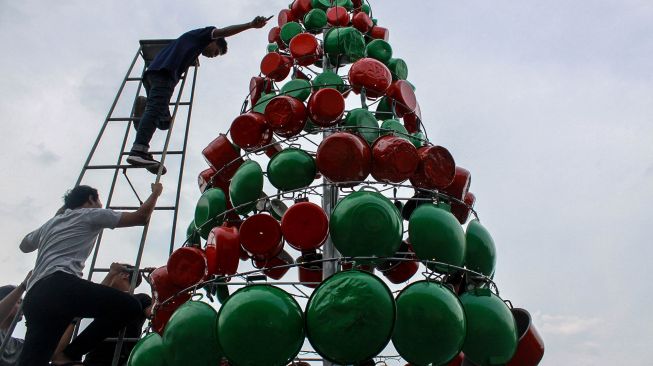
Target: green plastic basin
(328,79)
(398,68)
(298,88)
(380,50)
(261,325)
(291,169)
(190,337)
(346,41)
(246,186)
(436,235)
(290,30)
(363,123)
(315,19)
(430,326)
(491,329)
(350,317)
(396,126)
(212,203)
(480,255)
(149,351)
(366,224)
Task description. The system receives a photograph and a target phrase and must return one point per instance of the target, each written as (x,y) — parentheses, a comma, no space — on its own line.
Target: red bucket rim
(354,149)
(326,106)
(261,236)
(302,216)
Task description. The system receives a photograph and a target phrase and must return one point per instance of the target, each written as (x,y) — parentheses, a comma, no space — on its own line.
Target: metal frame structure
(147,51)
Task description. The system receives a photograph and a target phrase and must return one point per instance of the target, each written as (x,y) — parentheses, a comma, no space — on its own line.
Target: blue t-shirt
(181,53)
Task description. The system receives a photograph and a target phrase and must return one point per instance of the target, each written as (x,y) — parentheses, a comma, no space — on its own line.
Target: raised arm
(9,302)
(141,216)
(258,22)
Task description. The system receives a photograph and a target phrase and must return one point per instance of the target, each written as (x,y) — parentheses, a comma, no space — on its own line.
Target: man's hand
(116,268)
(157,188)
(24,283)
(259,22)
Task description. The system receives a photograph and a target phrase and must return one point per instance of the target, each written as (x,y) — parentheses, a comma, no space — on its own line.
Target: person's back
(56,293)
(182,52)
(66,240)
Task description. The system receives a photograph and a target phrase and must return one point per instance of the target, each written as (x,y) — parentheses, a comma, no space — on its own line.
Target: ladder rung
(133,208)
(175,152)
(105,270)
(123,119)
(181,103)
(127,166)
(134,79)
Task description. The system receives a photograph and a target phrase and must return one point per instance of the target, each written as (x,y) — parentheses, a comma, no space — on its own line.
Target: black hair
(78,196)
(6,290)
(129,269)
(222,43)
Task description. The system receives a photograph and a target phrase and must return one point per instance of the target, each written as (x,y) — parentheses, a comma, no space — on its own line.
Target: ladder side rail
(183,162)
(106,120)
(109,198)
(141,247)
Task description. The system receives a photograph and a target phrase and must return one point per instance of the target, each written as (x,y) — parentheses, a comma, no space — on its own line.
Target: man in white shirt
(56,293)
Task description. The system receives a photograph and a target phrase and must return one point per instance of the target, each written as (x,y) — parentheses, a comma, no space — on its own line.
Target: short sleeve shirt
(65,241)
(181,53)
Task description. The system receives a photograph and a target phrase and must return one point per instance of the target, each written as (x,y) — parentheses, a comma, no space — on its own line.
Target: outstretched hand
(259,22)
(157,188)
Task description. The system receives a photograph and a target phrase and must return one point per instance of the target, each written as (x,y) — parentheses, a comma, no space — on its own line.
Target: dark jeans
(159,87)
(52,304)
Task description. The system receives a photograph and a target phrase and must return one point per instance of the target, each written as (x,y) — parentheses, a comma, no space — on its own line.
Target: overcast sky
(548,104)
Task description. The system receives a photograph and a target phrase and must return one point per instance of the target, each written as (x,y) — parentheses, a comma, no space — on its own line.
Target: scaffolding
(105,145)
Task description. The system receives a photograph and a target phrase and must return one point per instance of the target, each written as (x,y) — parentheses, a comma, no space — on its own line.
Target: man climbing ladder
(164,73)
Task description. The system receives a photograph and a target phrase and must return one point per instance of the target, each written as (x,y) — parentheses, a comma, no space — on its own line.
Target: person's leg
(158,99)
(159,89)
(46,317)
(112,310)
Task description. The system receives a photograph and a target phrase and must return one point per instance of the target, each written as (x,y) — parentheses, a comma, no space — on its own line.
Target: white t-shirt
(65,241)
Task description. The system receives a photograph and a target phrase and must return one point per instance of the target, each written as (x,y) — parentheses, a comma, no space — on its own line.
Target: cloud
(548,104)
(42,155)
(567,325)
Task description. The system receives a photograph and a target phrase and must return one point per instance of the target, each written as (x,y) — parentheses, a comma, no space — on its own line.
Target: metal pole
(114,179)
(106,120)
(141,247)
(183,161)
(329,200)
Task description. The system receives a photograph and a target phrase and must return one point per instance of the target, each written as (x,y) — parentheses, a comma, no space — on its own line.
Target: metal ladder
(147,51)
